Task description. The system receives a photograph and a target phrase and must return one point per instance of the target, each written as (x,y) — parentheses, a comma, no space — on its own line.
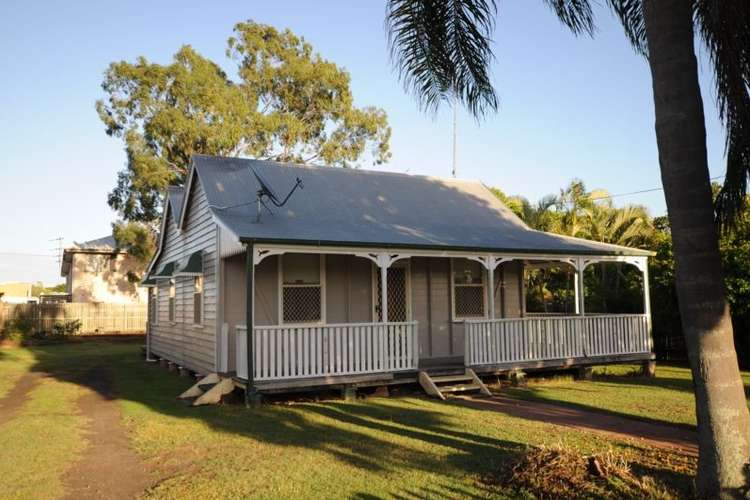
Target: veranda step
(435,386)
(459,388)
(196,391)
(207,387)
(451,378)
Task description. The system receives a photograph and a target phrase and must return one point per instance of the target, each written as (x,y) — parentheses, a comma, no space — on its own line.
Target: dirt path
(12,403)
(656,435)
(109,468)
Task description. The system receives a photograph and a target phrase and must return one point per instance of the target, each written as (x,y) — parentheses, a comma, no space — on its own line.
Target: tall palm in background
(442,51)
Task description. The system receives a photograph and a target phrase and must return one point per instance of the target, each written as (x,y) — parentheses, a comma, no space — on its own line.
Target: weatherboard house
(365,277)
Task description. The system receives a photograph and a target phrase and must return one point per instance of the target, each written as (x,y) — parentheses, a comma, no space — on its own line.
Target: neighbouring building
(16,292)
(97,271)
(366,277)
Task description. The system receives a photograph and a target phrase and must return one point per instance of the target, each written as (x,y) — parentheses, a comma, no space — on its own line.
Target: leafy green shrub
(67,327)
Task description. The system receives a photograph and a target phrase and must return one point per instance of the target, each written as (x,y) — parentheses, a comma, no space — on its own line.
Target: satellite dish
(266,192)
(265,187)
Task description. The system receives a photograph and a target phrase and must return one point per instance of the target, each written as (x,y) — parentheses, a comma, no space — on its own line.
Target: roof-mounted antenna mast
(267,193)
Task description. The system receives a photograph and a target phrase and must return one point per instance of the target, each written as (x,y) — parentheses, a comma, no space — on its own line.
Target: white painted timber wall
(498,341)
(284,352)
(189,345)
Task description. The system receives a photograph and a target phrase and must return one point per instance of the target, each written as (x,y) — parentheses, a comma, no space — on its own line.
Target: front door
(398,293)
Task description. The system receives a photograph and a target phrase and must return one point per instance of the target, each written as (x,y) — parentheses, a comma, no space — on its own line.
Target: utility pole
(455,101)
(58,249)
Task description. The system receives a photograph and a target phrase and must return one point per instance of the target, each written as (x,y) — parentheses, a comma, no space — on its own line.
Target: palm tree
(443,50)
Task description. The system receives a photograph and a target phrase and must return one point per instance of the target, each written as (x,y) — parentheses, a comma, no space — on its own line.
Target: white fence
(499,341)
(328,350)
(94,318)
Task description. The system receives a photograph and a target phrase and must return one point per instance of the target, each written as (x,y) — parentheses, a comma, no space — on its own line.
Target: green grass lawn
(379,447)
(667,398)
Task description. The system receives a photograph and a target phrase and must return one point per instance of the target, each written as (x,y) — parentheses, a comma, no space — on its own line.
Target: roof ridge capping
(358,170)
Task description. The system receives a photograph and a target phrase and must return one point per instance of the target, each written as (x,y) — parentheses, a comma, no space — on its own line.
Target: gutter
(324,243)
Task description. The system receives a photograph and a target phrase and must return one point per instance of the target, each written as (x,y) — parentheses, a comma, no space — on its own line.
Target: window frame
(281,286)
(483,272)
(202,308)
(172,303)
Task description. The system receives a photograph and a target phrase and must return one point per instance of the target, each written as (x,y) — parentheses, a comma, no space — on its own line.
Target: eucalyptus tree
(286,103)
(442,50)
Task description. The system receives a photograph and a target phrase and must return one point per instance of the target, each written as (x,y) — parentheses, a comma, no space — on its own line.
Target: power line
(24,254)
(651,190)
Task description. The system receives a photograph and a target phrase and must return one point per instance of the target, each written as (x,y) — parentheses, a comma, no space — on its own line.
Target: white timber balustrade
(498,341)
(291,352)
(241,350)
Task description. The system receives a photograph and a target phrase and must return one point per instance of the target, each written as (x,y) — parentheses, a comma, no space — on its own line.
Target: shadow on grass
(536,392)
(529,394)
(376,436)
(381,436)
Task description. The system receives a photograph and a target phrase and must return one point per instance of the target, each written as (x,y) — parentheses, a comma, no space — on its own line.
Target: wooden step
(460,388)
(213,396)
(438,387)
(451,378)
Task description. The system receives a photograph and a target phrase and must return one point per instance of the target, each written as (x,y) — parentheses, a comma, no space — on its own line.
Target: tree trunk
(723,420)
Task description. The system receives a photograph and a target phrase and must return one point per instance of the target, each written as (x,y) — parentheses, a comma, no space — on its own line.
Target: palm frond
(724,28)
(630,14)
(441,49)
(575,14)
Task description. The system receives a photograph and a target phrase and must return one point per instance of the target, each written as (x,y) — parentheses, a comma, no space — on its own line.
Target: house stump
(648,369)
(349,393)
(584,373)
(518,378)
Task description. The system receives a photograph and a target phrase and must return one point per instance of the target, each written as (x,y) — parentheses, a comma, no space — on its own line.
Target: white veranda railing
(288,352)
(511,340)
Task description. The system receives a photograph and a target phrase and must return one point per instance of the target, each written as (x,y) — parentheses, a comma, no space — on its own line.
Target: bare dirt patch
(660,436)
(12,403)
(109,468)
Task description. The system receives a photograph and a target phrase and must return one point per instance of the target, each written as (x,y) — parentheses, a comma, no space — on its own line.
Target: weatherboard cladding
(180,341)
(369,208)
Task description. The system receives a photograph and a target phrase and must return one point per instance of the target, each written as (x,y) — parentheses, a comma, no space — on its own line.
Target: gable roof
(355,207)
(173,200)
(175,195)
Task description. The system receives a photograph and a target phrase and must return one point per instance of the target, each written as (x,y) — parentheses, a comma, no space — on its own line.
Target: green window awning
(192,265)
(148,281)
(166,271)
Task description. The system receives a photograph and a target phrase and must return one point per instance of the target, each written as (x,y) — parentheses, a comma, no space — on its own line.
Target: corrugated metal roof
(363,207)
(103,243)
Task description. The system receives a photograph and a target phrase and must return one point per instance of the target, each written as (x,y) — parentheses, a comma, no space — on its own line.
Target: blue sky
(570,107)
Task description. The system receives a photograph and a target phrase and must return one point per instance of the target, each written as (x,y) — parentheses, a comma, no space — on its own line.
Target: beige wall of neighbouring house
(103,277)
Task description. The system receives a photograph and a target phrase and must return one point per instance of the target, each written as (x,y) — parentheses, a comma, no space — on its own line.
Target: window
(197,300)
(468,289)
(154,309)
(171,301)
(301,288)
(113,263)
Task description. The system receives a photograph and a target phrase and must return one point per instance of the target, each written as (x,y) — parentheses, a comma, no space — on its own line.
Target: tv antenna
(266,193)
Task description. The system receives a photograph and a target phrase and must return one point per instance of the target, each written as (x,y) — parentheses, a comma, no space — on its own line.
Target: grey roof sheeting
(356,207)
(103,243)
